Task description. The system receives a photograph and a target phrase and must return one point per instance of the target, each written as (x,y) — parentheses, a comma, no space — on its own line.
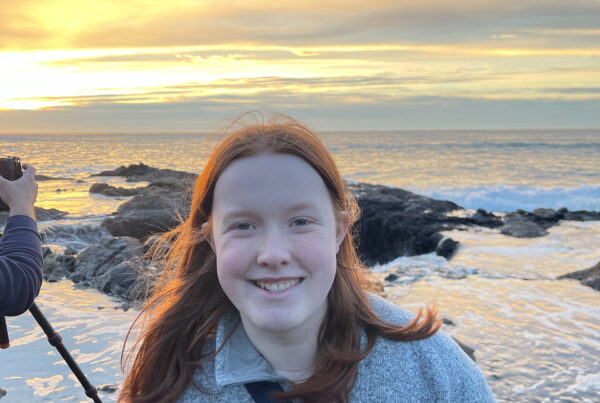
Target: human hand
(19,195)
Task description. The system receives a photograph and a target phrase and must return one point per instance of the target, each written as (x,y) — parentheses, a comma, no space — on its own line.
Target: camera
(10,168)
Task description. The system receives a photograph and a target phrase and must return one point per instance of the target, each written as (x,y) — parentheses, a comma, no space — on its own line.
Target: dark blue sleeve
(20,265)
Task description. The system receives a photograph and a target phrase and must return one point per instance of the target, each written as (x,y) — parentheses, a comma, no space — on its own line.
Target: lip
(271,294)
(275,279)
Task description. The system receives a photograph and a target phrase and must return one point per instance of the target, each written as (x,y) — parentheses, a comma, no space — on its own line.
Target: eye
(242,226)
(298,222)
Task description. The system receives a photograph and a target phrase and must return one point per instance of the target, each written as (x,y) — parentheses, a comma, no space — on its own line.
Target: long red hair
(188,302)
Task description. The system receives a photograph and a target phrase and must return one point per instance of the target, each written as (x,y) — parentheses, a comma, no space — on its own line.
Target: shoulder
(432,369)
(389,311)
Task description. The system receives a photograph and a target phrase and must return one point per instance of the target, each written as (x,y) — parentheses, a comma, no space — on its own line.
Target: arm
(20,265)
(20,248)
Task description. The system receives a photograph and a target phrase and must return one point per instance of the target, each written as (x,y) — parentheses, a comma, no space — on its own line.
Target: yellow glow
(92,58)
(42,79)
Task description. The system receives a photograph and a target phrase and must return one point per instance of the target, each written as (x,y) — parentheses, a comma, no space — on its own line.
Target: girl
(264,296)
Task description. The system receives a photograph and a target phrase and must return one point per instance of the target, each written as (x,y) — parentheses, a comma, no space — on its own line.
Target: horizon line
(92,132)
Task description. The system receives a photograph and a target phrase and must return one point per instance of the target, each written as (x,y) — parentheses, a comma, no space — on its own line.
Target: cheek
(319,256)
(233,261)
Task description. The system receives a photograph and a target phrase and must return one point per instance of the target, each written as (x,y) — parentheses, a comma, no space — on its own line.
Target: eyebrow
(302,206)
(248,213)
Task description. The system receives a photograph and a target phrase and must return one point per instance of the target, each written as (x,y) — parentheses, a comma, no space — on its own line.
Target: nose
(273,251)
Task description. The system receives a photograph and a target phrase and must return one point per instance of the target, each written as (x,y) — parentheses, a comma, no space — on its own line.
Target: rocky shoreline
(394,222)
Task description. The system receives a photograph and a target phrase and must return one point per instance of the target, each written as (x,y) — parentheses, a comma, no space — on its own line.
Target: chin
(275,324)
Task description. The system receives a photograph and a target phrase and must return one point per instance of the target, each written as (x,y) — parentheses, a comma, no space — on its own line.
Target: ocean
(536,338)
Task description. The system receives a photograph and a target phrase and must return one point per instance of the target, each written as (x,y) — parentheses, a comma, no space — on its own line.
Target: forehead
(269,178)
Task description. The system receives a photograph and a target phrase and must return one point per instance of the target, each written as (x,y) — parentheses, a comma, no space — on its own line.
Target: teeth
(277,286)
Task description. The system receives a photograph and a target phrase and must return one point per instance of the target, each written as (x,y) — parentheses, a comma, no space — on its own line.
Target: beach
(536,338)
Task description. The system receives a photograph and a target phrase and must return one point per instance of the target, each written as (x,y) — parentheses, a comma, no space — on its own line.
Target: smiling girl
(264,298)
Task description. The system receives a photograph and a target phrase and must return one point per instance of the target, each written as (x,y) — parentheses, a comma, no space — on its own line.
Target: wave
(410,269)
(510,198)
(74,236)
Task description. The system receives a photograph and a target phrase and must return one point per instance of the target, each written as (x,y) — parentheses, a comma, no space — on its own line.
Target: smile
(276,286)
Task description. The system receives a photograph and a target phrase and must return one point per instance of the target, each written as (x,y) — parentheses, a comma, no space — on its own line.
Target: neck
(291,352)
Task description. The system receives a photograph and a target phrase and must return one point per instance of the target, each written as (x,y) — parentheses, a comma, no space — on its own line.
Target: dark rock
(46,251)
(149,199)
(518,225)
(485,219)
(70,252)
(157,208)
(120,280)
(395,222)
(114,266)
(142,172)
(108,388)
(470,351)
(140,224)
(108,190)
(582,215)
(98,259)
(51,271)
(589,277)
(446,247)
(67,262)
(43,214)
(140,169)
(524,224)
(448,322)
(391,277)
(548,214)
(57,266)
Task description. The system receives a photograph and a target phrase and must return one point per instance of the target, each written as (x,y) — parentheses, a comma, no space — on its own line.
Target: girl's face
(276,236)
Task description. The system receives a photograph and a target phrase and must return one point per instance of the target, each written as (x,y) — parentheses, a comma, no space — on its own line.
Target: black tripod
(55,340)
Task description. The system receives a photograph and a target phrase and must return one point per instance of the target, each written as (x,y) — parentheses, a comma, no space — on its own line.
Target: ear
(341,228)
(207,230)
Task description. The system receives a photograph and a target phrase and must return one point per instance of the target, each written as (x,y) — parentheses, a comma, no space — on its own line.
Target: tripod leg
(55,340)
(4,341)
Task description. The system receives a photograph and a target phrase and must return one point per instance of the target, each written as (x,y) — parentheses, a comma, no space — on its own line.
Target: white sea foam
(74,234)
(586,382)
(404,262)
(510,198)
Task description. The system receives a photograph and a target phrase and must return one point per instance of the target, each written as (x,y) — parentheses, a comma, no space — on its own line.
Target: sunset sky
(185,65)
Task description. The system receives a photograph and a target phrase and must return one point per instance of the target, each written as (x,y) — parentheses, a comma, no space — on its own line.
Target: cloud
(342,89)
(573,90)
(350,56)
(38,24)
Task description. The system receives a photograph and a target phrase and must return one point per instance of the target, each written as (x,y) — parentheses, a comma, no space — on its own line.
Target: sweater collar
(239,361)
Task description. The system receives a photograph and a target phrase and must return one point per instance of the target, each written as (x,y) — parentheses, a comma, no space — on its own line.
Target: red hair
(188,302)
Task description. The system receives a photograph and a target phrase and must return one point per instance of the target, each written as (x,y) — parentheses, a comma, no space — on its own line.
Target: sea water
(536,338)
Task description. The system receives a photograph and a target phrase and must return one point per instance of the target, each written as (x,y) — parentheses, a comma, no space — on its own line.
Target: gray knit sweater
(430,370)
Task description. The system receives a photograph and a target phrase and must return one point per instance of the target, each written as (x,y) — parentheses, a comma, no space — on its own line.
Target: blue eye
(243,226)
(300,222)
